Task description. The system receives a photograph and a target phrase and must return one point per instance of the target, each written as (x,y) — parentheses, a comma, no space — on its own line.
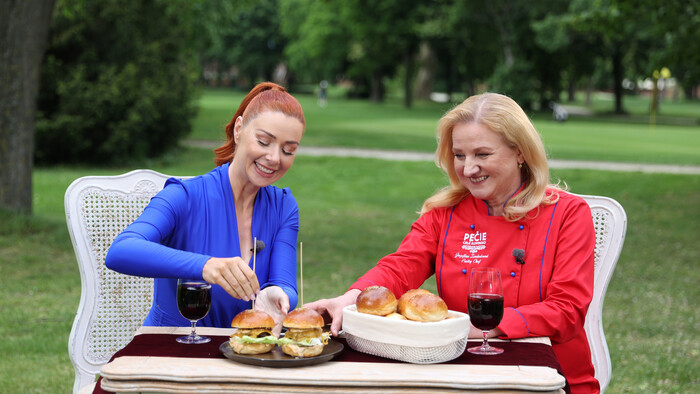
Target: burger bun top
(250,318)
(303,318)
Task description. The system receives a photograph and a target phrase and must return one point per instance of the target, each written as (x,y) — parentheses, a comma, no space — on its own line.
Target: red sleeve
(561,313)
(412,263)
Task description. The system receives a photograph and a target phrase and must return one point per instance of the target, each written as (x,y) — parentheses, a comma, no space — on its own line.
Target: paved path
(422,156)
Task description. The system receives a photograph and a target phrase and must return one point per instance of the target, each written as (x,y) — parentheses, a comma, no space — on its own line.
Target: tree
(23,35)
(676,27)
(254,43)
(118,81)
(616,27)
(317,39)
(361,39)
(382,36)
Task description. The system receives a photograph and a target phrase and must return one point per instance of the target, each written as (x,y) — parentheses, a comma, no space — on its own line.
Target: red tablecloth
(164,345)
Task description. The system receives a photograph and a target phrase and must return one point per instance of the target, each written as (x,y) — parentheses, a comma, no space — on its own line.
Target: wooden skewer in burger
(254,328)
(304,336)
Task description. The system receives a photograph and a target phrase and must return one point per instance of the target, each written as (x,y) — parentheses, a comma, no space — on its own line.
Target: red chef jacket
(547,293)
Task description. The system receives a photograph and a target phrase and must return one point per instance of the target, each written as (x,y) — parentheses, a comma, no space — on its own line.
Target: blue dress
(192,220)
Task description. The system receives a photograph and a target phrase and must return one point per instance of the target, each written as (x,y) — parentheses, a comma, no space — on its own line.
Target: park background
(141,84)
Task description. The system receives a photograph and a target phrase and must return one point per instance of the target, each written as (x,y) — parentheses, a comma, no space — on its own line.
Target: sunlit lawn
(353,211)
(361,124)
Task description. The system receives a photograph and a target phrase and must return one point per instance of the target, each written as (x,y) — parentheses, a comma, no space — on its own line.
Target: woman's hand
(275,302)
(477,333)
(233,275)
(333,308)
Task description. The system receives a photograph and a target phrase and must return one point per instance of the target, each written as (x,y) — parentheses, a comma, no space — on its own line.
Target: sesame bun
(423,306)
(376,300)
(303,318)
(252,319)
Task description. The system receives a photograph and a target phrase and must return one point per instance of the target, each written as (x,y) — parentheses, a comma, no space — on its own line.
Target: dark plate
(277,359)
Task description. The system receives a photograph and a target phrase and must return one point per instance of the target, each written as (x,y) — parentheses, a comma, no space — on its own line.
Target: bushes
(515,82)
(117,82)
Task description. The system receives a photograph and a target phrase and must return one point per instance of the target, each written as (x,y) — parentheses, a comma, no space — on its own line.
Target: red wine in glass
(193,302)
(485,305)
(485,310)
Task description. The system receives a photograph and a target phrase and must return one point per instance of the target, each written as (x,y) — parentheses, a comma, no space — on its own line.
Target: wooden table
(189,375)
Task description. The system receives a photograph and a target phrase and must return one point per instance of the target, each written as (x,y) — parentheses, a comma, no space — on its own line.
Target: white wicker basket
(405,340)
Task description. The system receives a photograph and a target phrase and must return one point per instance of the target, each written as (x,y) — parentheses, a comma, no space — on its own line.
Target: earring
(520,165)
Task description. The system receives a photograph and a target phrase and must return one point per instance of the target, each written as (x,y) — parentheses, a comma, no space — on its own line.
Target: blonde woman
(500,210)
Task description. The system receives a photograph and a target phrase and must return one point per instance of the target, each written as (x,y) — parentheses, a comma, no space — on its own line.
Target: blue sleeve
(283,259)
(140,251)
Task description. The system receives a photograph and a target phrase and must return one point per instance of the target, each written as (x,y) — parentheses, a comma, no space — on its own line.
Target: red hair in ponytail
(266,96)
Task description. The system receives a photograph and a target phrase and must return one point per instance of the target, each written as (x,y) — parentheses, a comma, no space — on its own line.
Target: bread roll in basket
(406,340)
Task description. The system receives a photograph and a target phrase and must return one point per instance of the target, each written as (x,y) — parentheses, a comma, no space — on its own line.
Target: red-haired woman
(204,227)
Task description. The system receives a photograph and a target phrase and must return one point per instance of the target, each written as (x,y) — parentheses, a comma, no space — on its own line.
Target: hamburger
(304,336)
(422,305)
(376,300)
(253,334)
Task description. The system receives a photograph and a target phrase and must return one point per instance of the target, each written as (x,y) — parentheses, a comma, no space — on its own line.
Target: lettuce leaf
(270,340)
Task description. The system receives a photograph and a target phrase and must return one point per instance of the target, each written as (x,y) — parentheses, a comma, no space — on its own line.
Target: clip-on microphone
(519,255)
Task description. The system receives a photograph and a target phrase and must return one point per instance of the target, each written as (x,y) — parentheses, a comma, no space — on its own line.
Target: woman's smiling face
(266,145)
(485,164)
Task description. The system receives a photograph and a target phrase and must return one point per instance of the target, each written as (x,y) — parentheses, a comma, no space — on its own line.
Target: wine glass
(485,305)
(193,302)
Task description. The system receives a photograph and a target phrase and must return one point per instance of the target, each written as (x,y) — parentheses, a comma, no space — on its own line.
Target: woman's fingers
(330,309)
(275,302)
(233,275)
(242,277)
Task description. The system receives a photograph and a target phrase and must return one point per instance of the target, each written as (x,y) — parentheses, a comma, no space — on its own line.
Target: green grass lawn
(354,211)
(361,124)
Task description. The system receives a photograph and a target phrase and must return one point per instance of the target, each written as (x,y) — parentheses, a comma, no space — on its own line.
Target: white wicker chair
(112,305)
(610,221)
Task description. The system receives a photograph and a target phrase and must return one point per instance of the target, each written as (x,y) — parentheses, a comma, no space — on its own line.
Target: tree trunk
(24,28)
(589,92)
(617,79)
(409,65)
(571,89)
(377,87)
(425,80)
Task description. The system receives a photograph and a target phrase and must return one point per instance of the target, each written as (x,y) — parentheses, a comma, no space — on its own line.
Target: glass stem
(194,328)
(485,345)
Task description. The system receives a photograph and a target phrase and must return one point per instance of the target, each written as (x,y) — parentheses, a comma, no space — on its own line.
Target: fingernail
(245,298)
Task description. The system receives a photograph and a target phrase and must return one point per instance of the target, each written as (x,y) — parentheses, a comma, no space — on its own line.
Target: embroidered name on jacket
(474,241)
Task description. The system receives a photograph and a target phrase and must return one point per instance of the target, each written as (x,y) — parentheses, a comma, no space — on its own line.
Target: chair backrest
(112,305)
(610,222)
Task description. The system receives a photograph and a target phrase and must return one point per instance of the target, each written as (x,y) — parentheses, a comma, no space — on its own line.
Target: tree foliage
(318,39)
(532,51)
(117,82)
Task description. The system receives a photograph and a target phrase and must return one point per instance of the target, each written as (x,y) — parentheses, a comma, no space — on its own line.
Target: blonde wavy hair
(503,116)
